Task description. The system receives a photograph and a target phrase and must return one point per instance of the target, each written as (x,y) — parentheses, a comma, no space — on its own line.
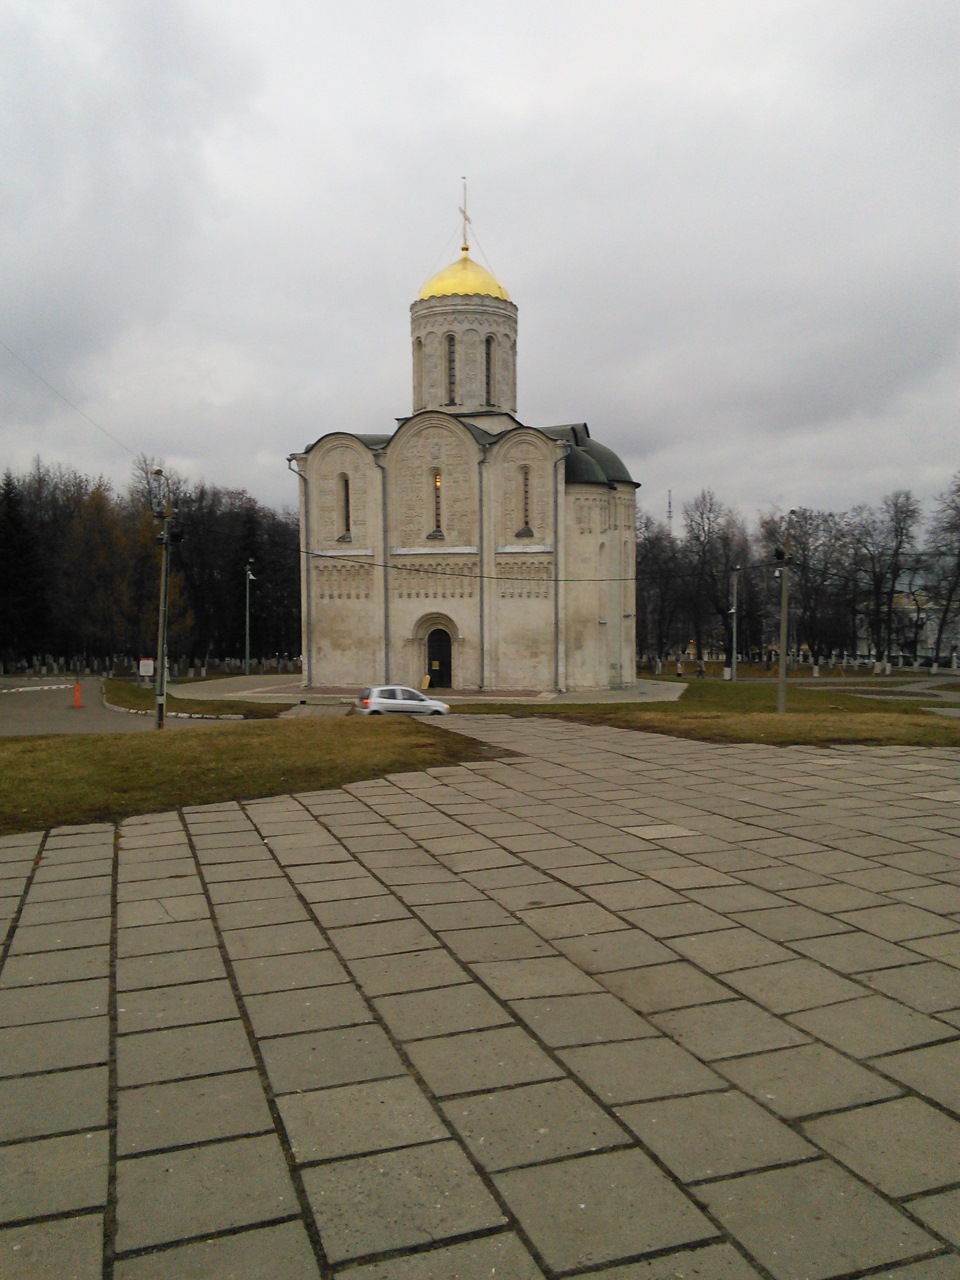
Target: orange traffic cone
(77,695)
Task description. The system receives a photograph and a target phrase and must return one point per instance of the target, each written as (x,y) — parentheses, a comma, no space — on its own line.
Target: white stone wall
(471,320)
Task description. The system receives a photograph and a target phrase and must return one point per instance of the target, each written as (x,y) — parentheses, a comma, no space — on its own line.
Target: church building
(465,546)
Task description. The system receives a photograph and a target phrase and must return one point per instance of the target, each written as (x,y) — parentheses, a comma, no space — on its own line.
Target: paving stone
(354,1119)
(169,969)
(941,1212)
(56,966)
(806,1080)
(248,890)
(154,1007)
(47,890)
(264,911)
(329,889)
(54,1046)
(410,971)
(69,1249)
(854,952)
(148,1057)
(269,1253)
(724,1030)
(672,922)
(540,893)
(713,1134)
(576,920)
(550,976)
(54,1175)
(871,1026)
(316,1059)
(838,1225)
(381,939)
(64,909)
(189,1111)
(638,1070)
(289,972)
(172,910)
(198,1190)
(307,1009)
(600,1208)
(929,987)
(902,1147)
(506,942)
(725,949)
(273,940)
(711,1262)
(899,923)
(531,1124)
(411,1197)
(490,1256)
(737,897)
(793,985)
(29,939)
(933,1071)
(581,1019)
(835,897)
(54,1102)
(480,1060)
(621,949)
(54,1002)
(339,915)
(663,986)
(419,1014)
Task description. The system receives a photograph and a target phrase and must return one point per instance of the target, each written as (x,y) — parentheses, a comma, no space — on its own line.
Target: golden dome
(463,278)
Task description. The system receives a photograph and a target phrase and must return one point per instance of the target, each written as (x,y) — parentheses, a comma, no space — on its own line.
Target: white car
(385,698)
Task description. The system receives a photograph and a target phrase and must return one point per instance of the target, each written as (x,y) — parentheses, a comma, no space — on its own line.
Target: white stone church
(465,546)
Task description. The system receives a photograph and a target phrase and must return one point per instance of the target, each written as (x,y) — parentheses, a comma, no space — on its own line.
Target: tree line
(80,567)
(875,581)
(80,570)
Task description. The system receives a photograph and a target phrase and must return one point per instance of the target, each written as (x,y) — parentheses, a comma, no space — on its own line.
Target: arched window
(343,507)
(451,369)
(525,503)
(418,397)
(436,481)
(489,350)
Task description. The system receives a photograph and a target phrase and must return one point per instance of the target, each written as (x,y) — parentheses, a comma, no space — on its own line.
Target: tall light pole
(733,619)
(163,510)
(783,556)
(246,647)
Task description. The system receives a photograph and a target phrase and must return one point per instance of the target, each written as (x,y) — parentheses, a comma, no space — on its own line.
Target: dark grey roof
(587,462)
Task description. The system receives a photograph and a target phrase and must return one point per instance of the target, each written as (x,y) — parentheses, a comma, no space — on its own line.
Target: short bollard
(77,696)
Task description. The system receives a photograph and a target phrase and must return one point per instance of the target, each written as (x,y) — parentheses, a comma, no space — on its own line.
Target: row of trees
(80,565)
(79,574)
(869,581)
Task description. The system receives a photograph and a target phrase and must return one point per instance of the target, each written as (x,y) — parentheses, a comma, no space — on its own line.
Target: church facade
(464,546)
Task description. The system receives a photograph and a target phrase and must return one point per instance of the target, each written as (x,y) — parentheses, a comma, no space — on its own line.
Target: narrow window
(526,531)
(437,483)
(451,369)
(488,371)
(418,374)
(343,507)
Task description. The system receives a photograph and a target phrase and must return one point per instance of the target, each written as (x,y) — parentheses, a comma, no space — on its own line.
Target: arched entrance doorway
(439,658)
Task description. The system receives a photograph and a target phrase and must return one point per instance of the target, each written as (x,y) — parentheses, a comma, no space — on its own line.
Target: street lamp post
(246,647)
(163,510)
(783,557)
(733,619)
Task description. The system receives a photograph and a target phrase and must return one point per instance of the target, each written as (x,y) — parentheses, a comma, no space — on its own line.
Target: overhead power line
(57,392)
(445,573)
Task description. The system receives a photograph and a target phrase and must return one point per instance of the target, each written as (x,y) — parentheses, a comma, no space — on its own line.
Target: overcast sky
(730,228)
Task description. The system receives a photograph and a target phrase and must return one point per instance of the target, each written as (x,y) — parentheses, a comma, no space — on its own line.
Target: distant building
(465,546)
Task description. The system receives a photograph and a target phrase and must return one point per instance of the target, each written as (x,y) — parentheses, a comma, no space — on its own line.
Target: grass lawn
(718,711)
(139,697)
(63,781)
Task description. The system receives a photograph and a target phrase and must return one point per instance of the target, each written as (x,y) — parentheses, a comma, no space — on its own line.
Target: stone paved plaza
(614,1005)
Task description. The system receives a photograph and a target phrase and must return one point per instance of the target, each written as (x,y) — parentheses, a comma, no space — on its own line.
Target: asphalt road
(41,706)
